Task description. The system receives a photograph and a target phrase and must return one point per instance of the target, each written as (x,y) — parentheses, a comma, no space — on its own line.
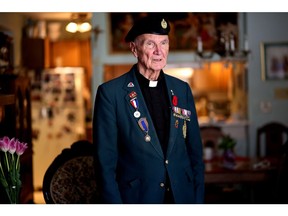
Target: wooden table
(244,184)
(244,171)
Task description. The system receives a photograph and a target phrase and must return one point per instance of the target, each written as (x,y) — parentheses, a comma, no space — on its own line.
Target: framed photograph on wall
(274,60)
(186,28)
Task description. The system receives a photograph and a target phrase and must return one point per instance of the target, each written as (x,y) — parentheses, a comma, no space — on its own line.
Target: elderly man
(145,128)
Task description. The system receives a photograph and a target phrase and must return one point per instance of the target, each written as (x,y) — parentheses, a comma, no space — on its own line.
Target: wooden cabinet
(72,53)
(35,53)
(65,53)
(38,54)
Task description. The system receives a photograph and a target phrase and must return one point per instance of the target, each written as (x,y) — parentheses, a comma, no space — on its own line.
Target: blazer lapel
(132,87)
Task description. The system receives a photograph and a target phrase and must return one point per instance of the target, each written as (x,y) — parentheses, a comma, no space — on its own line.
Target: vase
(229,158)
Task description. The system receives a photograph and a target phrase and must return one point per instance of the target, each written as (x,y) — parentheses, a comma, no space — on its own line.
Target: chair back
(270,139)
(282,178)
(70,179)
(211,135)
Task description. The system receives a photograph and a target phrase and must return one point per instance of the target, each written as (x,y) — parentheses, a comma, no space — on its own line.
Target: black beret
(148,25)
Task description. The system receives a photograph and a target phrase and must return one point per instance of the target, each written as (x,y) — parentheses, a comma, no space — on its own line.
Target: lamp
(79,23)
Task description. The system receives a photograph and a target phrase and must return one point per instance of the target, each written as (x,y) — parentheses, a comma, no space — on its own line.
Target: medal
(147,138)
(132,94)
(137,114)
(134,103)
(176,123)
(184,129)
(130,84)
(181,113)
(143,124)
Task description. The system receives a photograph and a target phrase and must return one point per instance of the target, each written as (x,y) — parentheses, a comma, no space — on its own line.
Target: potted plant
(227,144)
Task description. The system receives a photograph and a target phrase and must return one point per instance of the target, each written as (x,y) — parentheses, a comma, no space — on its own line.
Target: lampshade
(72,27)
(84,27)
(79,23)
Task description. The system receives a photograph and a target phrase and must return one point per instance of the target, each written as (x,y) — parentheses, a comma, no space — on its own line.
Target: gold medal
(184,129)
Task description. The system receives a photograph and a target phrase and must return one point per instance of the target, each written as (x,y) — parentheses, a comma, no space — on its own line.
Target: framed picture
(186,28)
(274,60)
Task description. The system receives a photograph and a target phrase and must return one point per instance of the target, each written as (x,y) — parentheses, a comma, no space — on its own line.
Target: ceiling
(56,22)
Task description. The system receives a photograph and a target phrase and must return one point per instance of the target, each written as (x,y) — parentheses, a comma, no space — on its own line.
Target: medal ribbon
(134,103)
(181,113)
(143,124)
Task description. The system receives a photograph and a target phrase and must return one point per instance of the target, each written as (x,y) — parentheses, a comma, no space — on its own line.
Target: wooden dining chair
(70,179)
(282,177)
(211,136)
(270,139)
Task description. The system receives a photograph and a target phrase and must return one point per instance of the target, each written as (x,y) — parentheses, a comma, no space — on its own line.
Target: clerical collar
(146,82)
(153,83)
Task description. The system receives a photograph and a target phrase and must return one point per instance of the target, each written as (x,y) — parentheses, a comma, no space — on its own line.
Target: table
(245,171)
(250,181)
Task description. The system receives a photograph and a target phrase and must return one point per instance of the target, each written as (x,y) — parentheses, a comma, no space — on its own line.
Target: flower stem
(7,162)
(9,195)
(17,163)
(2,169)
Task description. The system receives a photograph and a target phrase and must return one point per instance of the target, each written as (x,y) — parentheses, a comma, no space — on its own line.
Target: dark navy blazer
(132,170)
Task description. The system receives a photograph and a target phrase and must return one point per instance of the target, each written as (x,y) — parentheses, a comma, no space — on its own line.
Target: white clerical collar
(153,83)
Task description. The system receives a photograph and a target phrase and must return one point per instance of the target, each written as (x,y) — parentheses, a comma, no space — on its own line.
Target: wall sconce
(79,23)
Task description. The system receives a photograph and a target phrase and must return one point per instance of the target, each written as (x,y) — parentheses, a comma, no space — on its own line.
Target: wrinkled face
(151,51)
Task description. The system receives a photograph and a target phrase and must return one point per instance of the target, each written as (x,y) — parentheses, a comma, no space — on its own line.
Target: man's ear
(133,48)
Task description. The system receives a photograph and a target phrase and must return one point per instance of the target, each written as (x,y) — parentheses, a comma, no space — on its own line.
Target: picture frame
(186,27)
(274,60)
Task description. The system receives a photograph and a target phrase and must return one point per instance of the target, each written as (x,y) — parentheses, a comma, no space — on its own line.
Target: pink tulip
(10,168)
(12,145)
(20,148)
(5,144)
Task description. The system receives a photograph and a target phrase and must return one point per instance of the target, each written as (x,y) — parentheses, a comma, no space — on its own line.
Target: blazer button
(162,184)
(166,162)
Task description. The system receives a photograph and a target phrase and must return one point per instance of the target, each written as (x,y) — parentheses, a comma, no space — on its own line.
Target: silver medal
(137,114)
(147,138)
